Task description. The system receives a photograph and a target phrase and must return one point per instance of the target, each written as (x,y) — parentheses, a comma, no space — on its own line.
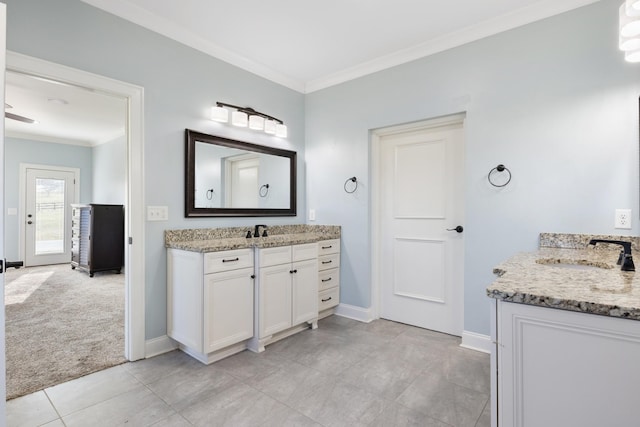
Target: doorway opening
(417,206)
(132,182)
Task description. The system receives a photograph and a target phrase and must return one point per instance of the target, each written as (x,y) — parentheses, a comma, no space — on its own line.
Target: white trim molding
(475,341)
(160,345)
(356,313)
(134,225)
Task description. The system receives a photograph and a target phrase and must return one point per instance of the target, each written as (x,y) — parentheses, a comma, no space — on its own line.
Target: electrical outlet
(312,214)
(157,213)
(623,219)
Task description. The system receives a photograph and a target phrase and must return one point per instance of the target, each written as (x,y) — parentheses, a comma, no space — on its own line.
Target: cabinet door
(228,308)
(562,368)
(305,291)
(274,299)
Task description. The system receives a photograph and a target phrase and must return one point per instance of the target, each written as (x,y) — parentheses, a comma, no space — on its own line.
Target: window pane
(49,216)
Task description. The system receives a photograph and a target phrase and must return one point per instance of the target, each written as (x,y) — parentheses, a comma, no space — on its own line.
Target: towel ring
(500,168)
(355,187)
(264,190)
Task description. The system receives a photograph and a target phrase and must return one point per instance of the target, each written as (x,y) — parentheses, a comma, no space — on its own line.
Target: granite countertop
(225,244)
(223,239)
(531,278)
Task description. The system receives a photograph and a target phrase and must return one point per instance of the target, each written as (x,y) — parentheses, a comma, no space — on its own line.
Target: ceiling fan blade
(18,118)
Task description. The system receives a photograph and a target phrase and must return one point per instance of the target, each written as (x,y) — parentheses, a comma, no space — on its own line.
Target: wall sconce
(245,116)
(629,41)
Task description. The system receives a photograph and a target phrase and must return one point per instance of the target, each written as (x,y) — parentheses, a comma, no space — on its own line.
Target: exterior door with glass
(47,215)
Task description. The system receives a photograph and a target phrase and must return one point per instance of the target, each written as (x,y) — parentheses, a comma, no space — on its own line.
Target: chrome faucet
(256,231)
(625,258)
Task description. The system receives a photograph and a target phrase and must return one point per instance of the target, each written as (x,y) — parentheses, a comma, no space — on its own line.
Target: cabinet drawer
(329,247)
(326,262)
(305,251)
(328,298)
(329,279)
(227,260)
(274,256)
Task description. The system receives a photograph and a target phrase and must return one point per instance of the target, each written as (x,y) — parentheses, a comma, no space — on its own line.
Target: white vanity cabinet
(286,292)
(210,301)
(328,276)
(561,368)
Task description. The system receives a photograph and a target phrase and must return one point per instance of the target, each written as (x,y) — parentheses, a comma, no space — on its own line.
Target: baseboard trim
(475,341)
(353,312)
(156,346)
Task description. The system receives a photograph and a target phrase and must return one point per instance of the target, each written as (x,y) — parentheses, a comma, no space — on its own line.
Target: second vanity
(226,293)
(565,323)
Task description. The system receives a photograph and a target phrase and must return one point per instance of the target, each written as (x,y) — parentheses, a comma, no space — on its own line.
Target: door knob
(458,229)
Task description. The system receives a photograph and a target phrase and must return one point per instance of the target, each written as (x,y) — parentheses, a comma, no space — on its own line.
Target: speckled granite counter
(532,278)
(222,239)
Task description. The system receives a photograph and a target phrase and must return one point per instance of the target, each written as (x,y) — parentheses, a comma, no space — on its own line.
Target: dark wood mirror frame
(191,137)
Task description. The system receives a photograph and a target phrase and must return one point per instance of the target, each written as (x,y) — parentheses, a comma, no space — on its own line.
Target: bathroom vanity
(565,323)
(227,293)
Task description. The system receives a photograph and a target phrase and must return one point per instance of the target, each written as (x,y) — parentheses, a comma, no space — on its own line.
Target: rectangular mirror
(225,177)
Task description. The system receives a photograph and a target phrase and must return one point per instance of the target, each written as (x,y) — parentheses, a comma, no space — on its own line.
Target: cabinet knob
(253,276)
(293,271)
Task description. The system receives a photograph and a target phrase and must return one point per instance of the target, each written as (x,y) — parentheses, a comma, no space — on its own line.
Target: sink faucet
(256,231)
(625,258)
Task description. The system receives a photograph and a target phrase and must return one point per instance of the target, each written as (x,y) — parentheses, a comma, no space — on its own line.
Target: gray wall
(110,172)
(554,101)
(42,153)
(181,84)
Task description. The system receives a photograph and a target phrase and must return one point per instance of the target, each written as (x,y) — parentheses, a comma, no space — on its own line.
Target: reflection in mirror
(233,178)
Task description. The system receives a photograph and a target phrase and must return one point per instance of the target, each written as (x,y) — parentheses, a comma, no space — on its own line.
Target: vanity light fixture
(629,40)
(246,116)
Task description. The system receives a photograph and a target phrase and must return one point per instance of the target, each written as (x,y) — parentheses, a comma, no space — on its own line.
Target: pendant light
(629,27)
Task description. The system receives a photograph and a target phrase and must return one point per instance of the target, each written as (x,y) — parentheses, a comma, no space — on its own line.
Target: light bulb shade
(633,7)
(240,119)
(256,122)
(632,55)
(627,43)
(281,131)
(629,25)
(270,127)
(220,114)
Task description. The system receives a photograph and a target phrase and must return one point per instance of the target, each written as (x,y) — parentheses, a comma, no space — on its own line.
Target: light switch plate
(623,219)
(157,213)
(312,214)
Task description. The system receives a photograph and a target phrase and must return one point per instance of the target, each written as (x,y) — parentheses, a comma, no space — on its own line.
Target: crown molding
(517,18)
(162,26)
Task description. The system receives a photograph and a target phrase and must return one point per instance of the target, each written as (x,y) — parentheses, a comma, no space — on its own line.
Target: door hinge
(131,240)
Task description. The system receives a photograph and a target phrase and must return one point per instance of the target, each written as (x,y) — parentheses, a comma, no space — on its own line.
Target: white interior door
(421,197)
(47,222)
(244,182)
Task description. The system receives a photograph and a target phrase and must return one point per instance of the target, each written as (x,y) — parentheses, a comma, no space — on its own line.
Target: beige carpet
(60,325)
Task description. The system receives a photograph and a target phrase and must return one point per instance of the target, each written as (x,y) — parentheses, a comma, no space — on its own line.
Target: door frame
(134,205)
(375,197)
(22,198)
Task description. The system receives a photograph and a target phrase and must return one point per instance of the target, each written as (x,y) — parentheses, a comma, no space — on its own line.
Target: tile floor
(345,373)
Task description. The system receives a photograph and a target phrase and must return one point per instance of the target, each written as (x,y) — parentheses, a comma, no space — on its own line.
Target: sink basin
(574,264)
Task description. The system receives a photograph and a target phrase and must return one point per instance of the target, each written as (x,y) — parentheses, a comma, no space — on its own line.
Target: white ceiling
(300,44)
(309,45)
(64,113)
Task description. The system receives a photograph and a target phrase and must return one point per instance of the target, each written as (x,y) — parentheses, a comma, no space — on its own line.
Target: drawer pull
(325,300)
(327,262)
(293,271)
(231,260)
(327,247)
(326,280)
